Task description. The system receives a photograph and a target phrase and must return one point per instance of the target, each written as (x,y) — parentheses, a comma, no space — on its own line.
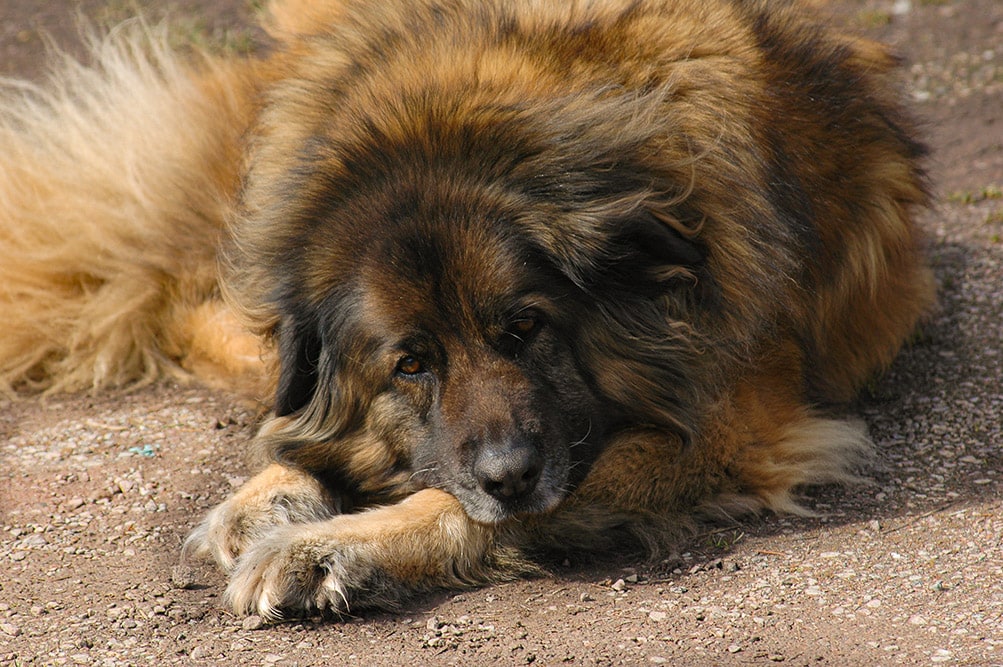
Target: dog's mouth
(487,509)
(502,484)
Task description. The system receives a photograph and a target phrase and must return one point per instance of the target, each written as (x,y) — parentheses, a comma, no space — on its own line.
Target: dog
(521,277)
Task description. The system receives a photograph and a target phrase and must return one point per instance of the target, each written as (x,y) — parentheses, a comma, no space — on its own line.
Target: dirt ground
(98,492)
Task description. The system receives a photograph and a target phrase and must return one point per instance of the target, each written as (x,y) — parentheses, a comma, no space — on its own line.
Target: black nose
(507,472)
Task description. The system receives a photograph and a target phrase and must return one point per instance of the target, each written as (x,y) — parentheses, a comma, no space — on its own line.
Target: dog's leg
(375,558)
(639,493)
(276,496)
(649,489)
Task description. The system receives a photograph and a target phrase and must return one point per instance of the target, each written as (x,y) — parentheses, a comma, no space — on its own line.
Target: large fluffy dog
(521,275)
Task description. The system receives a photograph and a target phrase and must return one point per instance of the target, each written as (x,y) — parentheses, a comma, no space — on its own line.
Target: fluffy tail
(115,179)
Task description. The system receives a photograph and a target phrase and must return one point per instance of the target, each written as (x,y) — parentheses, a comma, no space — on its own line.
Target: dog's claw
(295,571)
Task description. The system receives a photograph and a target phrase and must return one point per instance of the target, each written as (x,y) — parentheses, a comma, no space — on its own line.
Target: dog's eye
(519,331)
(409,366)
(523,326)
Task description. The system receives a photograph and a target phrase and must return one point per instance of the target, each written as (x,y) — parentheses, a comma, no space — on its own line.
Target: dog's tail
(115,178)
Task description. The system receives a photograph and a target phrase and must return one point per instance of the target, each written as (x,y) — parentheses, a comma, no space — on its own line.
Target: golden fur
(114,184)
(523,276)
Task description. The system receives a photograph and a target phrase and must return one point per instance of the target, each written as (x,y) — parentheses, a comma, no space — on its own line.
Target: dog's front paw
(376,558)
(299,570)
(276,496)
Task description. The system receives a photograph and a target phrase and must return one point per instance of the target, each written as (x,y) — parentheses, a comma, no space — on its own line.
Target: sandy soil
(97,492)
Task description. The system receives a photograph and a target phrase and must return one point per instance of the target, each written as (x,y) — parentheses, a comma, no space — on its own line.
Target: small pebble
(34,540)
(182,577)
(941,655)
(253,622)
(74,503)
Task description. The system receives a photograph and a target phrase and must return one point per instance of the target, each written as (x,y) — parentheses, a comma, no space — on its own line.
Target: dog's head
(448,349)
(465,301)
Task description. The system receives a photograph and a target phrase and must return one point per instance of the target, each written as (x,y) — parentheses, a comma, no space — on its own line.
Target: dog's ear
(649,252)
(640,248)
(299,359)
(662,240)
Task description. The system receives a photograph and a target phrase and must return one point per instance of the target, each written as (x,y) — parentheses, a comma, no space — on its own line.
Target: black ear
(648,254)
(299,359)
(663,242)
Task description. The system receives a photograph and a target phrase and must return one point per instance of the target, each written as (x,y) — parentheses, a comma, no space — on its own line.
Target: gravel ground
(98,492)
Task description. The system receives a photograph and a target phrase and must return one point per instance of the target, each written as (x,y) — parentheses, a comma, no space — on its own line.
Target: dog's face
(482,388)
(447,346)
(440,342)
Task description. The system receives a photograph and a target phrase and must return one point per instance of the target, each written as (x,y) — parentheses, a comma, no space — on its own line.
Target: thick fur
(523,276)
(114,184)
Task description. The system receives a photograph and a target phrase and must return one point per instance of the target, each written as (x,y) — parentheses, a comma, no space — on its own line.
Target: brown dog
(535,275)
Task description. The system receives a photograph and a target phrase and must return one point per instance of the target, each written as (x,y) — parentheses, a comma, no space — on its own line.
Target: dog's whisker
(421,471)
(583,439)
